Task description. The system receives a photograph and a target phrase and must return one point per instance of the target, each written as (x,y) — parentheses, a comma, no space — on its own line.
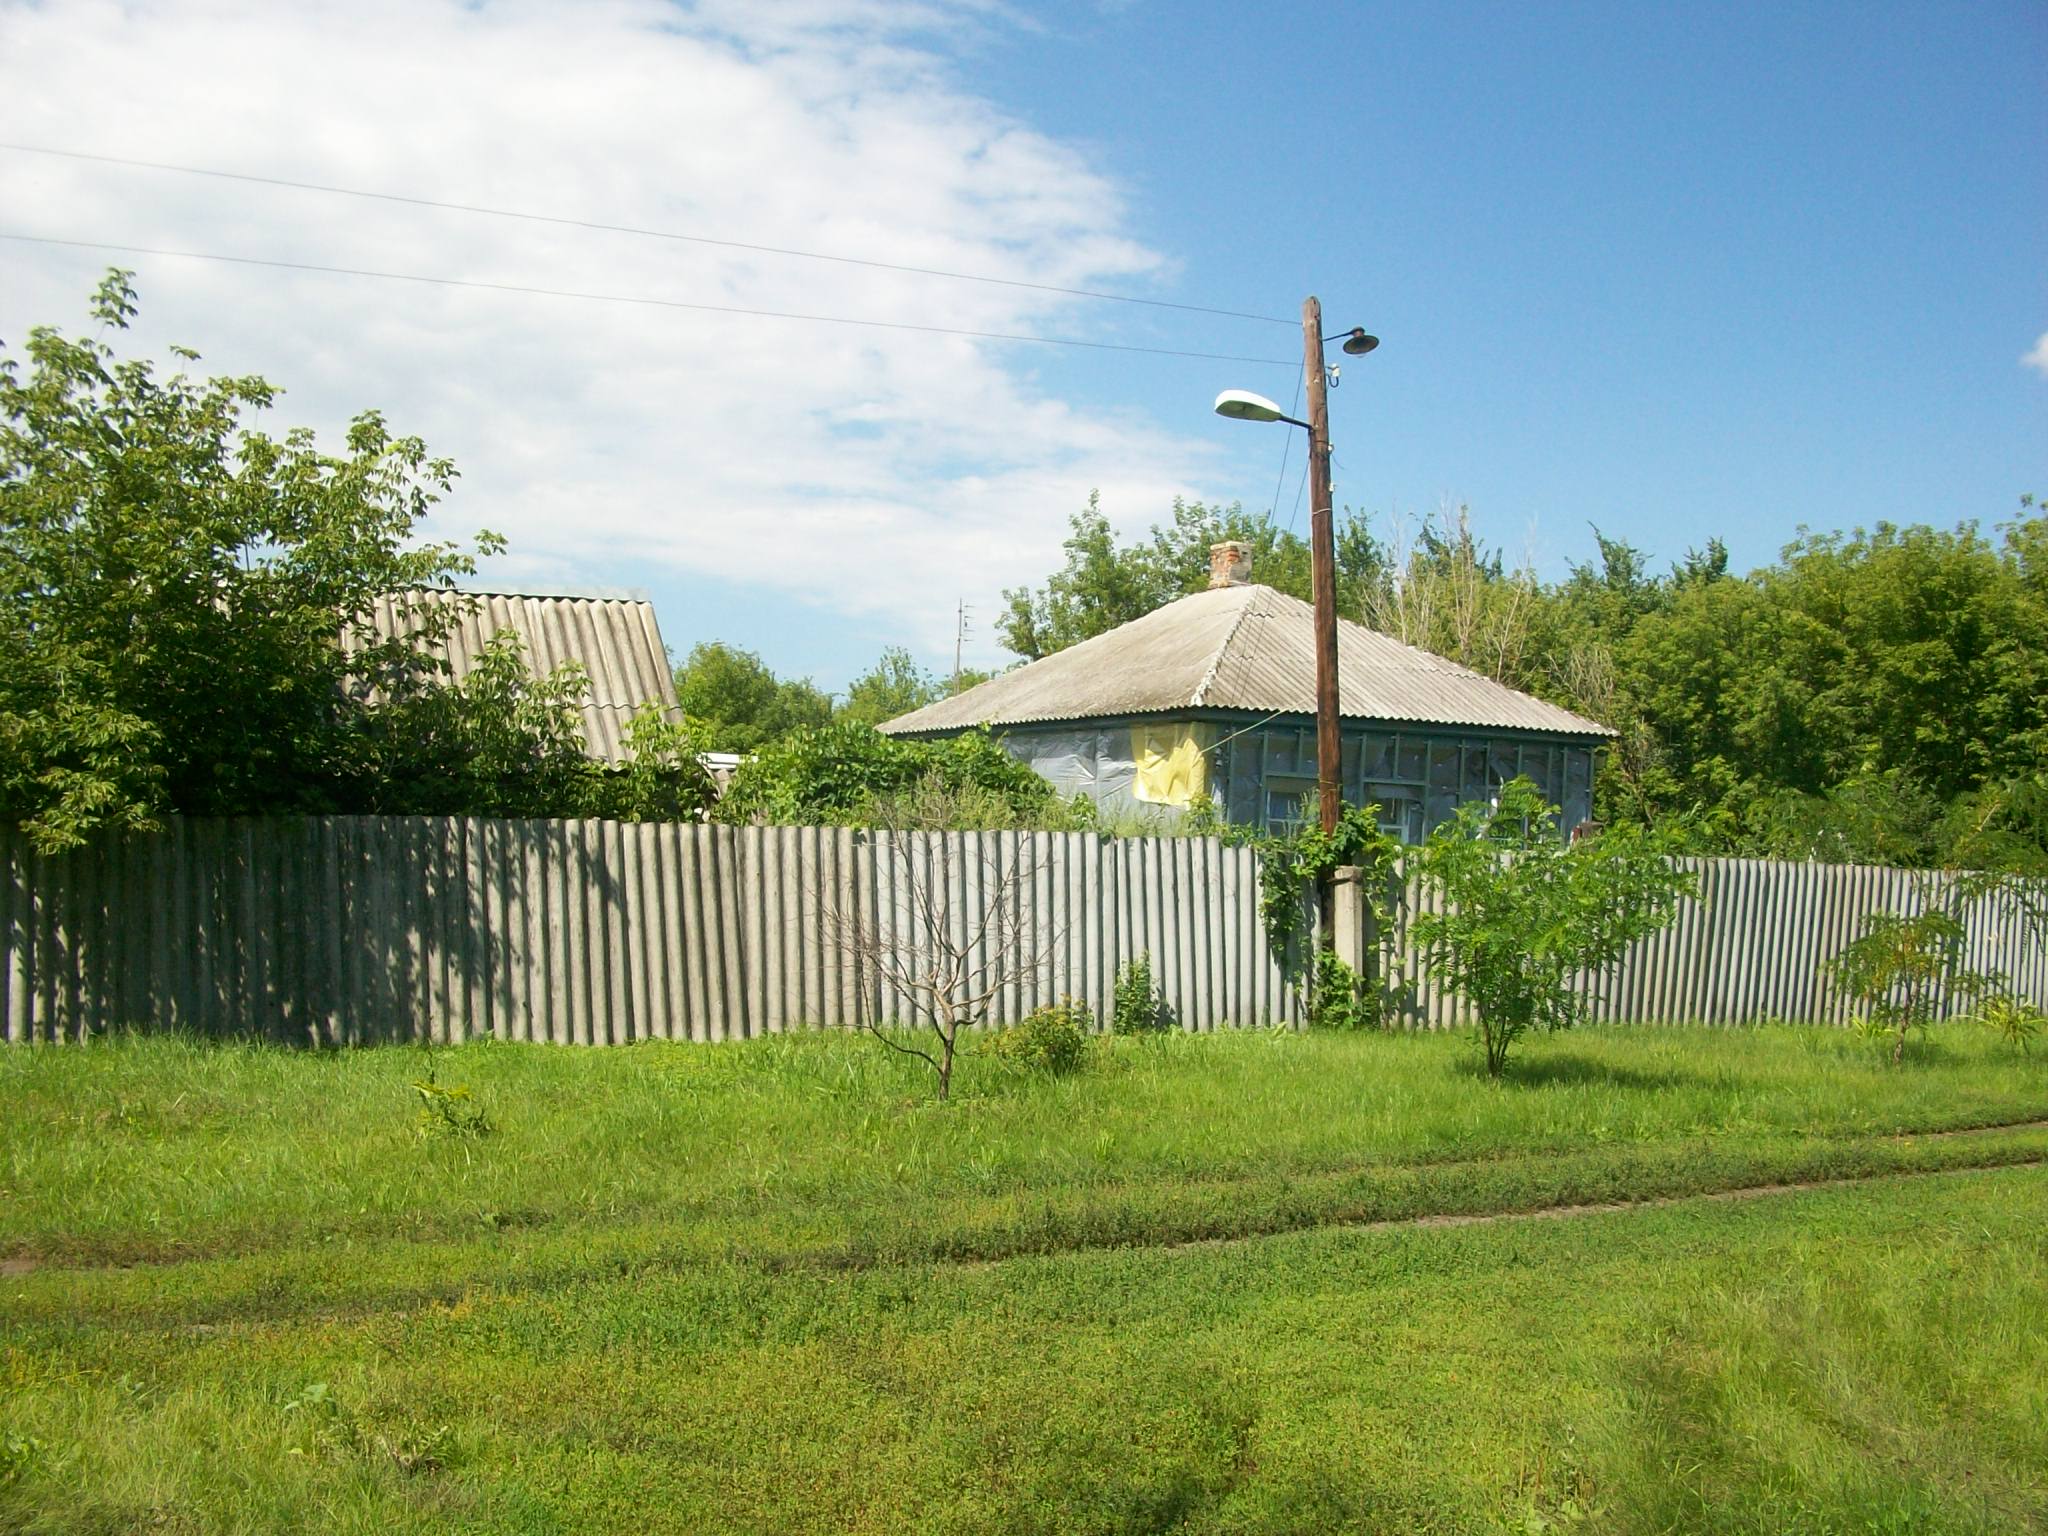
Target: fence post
(1357,926)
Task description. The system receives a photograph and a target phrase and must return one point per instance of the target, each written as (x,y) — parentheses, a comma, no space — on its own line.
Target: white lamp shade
(1243,405)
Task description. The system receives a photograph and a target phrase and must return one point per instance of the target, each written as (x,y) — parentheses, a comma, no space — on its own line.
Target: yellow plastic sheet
(1172,769)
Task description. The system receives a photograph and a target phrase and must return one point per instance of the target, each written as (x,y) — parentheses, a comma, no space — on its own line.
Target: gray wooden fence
(1753,946)
(364,929)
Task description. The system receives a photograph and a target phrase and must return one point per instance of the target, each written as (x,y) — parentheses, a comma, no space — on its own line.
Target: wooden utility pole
(1323,558)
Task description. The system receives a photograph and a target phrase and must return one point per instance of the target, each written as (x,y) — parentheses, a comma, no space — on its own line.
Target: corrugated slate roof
(615,639)
(1242,647)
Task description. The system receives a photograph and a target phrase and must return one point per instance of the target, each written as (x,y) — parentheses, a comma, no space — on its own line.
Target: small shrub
(1339,997)
(1136,1006)
(449,1110)
(2017,1023)
(1052,1040)
(1907,972)
(417,1448)
(1872,1029)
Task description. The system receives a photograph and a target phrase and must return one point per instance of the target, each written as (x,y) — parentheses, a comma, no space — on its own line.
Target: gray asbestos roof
(1241,648)
(615,639)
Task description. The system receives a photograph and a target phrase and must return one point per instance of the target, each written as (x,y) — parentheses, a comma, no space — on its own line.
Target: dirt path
(1658,1202)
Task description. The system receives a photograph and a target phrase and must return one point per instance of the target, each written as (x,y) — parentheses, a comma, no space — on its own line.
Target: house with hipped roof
(1213,696)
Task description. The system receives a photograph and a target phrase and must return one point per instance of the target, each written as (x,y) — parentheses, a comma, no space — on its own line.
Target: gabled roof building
(614,639)
(1214,694)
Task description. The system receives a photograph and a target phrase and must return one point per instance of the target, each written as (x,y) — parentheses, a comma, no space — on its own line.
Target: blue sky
(1678,272)
(1674,270)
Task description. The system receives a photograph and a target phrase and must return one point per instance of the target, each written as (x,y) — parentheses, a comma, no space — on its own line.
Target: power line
(1286,446)
(1299,486)
(628,298)
(630,229)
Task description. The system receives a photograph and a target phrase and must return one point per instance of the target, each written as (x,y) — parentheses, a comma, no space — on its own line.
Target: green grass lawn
(770,1287)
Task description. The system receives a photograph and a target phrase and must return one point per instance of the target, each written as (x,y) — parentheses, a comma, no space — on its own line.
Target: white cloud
(2038,358)
(859,469)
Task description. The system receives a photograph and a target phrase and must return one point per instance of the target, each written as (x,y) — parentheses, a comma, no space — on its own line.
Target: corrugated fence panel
(366,929)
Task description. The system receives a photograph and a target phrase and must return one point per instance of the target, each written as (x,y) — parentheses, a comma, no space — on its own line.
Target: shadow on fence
(337,930)
(317,931)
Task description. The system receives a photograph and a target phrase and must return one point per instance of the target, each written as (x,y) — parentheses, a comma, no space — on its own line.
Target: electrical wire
(1299,486)
(627,298)
(1286,447)
(630,229)
(1264,720)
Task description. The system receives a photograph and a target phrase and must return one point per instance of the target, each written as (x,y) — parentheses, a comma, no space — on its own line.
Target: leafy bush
(1052,1040)
(1293,864)
(1136,1007)
(449,1110)
(188,620)
(1523,912)
(2017,1023)
(1339,997)
(1904,970)
(850,775)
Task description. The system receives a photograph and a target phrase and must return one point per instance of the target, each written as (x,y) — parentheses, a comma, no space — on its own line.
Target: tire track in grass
(211,1295)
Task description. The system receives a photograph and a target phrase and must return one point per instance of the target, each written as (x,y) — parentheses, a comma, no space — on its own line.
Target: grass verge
(770,1288)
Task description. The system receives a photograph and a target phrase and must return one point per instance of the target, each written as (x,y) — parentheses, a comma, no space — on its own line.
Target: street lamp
(1243,405)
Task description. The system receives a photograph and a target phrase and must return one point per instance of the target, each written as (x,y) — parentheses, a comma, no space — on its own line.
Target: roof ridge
(1223,649)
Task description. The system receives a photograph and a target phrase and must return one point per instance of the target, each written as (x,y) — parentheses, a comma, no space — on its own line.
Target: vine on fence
(1296,862)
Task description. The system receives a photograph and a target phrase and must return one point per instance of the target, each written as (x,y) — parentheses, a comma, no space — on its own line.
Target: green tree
(186,619)
(175,585)
(1105,583)
(1523,912)
(894,685)
(1836,705)
(736,704)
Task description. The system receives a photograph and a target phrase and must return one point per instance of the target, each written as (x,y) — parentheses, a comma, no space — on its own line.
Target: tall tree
(186,609)
(174,585)
(738,705)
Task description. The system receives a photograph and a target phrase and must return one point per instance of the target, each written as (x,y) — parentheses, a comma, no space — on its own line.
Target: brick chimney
(1230,564)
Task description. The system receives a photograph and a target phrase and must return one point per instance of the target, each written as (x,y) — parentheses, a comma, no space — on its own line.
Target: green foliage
(449,1109)
(320,1425)
(1053,1040)
(1104,584)
(1339,998)
(1857,700)
(1293,865)
(1841,704)
(850,775)
(1523,912)
(500,742)
(2018,1023)
(663,778)
(1906,970)
(735,704)
(174,584)
(893,686)
(186,619)
(1136,1008)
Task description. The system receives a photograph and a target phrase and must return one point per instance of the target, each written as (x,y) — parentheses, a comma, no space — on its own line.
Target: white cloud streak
(861,471)
(2038,358)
